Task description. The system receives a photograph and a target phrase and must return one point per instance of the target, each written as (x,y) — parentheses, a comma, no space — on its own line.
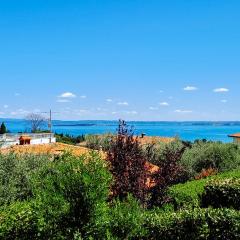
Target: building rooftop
(235,135)
(25,137)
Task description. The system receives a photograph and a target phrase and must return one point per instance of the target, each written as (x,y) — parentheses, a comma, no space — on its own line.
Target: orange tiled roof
(235,135)
(25,137)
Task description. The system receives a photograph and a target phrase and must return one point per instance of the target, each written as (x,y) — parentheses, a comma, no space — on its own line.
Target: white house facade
(7,140)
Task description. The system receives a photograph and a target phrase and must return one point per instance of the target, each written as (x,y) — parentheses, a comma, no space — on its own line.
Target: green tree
(3,128)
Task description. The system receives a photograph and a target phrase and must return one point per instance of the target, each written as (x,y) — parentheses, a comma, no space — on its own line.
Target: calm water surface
(216,131)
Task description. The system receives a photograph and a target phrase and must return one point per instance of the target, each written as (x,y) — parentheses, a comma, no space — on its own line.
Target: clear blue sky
(134,59)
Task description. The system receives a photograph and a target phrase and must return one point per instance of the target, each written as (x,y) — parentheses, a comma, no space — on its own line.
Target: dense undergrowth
(69,139)
(195,193)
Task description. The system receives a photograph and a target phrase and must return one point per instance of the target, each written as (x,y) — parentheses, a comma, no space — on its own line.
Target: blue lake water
(216,131)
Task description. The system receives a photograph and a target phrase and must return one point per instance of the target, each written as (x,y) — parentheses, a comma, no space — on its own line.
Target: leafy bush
(72,192)
(170,172)
(99,142)
(156,153)
(223,224)
(15,172)
(69,139)
(18,221)
(181,225)
(68,195)
(223,157)
(126,219)
(195,224)
(187,195)
(222,193)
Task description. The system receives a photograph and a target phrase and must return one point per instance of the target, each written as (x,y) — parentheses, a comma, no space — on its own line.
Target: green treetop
(3,129)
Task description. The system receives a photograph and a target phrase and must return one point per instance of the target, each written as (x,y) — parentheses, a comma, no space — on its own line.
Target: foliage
(127,165)
(170,172)
(187,195)
(195,224)
(3,128)
(73,193)
(206,173)
(156,153)
(15,172)
(222,193)
(99,142)
(68,139)
(68,195)
(205,155)
(126,219)
(18,221)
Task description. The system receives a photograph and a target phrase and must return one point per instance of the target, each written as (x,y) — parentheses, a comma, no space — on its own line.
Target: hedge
(188,194)
(222,193)
(195,224)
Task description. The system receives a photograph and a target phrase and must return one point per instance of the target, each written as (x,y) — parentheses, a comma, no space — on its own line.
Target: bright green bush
(126,219)
(220,156)
(195,224)
(180,225)
(222,193)
(185,195)
(18,221)
(73,193)
(69,195)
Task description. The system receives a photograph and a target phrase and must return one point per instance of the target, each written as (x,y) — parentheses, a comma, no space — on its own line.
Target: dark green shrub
(69,139)
(3,128)
(223,224)
(222,193)
(18,221)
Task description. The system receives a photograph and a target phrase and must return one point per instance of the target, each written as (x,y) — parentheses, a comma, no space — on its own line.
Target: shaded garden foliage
(170,172)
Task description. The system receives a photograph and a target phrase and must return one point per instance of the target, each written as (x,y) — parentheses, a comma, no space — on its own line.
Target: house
(236,137)
(7,140)
(25,140)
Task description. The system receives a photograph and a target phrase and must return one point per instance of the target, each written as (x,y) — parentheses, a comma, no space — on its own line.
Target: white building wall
(11,140)
(42,141)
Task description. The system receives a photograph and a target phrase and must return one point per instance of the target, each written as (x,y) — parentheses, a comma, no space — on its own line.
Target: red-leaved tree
(127,164)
